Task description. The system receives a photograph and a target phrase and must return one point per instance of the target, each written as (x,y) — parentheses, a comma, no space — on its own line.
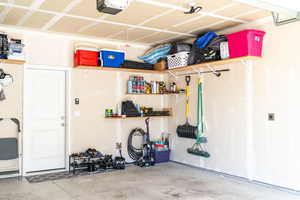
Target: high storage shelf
(187,68)
(155,94)
(7,61)
(117,69)
(127,117)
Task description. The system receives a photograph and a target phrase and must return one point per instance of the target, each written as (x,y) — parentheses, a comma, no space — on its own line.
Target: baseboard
(243,179)
(9,174)
(45,172)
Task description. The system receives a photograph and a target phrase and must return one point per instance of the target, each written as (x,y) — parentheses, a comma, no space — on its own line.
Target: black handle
(147,127)
(188,80)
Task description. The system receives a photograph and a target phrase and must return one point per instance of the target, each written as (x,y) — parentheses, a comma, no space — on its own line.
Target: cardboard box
(161,65)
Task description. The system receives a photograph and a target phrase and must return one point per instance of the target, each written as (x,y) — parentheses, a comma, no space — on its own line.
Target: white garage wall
(265,151)
(97,91)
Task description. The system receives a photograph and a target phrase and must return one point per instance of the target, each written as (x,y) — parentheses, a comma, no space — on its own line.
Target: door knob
(63,124)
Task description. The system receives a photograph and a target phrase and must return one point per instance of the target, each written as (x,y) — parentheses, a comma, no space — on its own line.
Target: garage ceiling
(145,21)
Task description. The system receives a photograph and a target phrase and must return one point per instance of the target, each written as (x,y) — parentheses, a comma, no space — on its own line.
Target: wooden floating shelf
(8,61)
(127,117)
(181,69)
(213,63)
(118,69)
(155,94)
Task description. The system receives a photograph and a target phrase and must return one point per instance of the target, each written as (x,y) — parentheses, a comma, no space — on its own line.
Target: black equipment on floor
(119,161)
(145,155)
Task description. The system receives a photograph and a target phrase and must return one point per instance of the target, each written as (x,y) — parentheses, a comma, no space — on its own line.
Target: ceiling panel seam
(10,28)
(129,25)
(221,22)
(202,16)
(92,24)
(4,13)
(199,17)
(214,24)
(155,17)
(96,20)
(146,36)
(117,33)
(35,4)
(164,40)
(144,22)
(56,18)
(166,5)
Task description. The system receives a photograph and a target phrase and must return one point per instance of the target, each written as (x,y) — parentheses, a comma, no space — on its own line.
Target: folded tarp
(155,54)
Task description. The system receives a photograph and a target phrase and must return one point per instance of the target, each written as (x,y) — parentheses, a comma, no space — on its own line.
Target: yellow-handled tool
(187,92)
(187,130)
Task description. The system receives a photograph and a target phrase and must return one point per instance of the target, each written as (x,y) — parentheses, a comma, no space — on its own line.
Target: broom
(187,130)
(197,148)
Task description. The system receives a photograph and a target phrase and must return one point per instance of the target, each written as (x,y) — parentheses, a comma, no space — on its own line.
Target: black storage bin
(136,65)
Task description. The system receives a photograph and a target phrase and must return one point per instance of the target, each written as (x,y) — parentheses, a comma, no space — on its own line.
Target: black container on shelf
(136,65)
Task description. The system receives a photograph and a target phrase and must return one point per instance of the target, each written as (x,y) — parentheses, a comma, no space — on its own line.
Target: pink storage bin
(245,43)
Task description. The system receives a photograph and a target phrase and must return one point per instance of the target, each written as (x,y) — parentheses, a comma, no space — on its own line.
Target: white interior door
(44,122)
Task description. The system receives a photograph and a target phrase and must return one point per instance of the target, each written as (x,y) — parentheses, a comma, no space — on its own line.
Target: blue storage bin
(162,156)
(111,58)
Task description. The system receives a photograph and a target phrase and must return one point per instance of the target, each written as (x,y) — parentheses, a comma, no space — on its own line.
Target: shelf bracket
(211,68)
(278,22)
(199,72)
(214,71)
(245,62)
(173,74)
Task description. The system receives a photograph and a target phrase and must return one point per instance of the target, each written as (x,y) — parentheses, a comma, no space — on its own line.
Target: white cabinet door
(44,123)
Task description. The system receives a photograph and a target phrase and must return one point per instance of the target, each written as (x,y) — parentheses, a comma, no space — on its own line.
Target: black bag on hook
(210,53)
(4,48)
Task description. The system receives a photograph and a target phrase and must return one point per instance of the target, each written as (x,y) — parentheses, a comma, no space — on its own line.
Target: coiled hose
(135,153)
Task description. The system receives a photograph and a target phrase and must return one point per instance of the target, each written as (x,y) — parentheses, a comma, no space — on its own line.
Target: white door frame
(67,70)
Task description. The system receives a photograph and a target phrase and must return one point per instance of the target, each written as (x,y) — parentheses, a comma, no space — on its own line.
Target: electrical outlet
(76,101)
(271,117)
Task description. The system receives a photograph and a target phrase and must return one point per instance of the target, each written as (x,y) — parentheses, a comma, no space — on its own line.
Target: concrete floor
(167,181)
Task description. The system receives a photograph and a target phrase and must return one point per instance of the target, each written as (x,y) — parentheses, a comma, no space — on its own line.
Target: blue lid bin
(162,156)
(111,58)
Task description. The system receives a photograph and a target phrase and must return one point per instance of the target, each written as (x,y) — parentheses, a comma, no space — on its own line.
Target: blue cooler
(111,58)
